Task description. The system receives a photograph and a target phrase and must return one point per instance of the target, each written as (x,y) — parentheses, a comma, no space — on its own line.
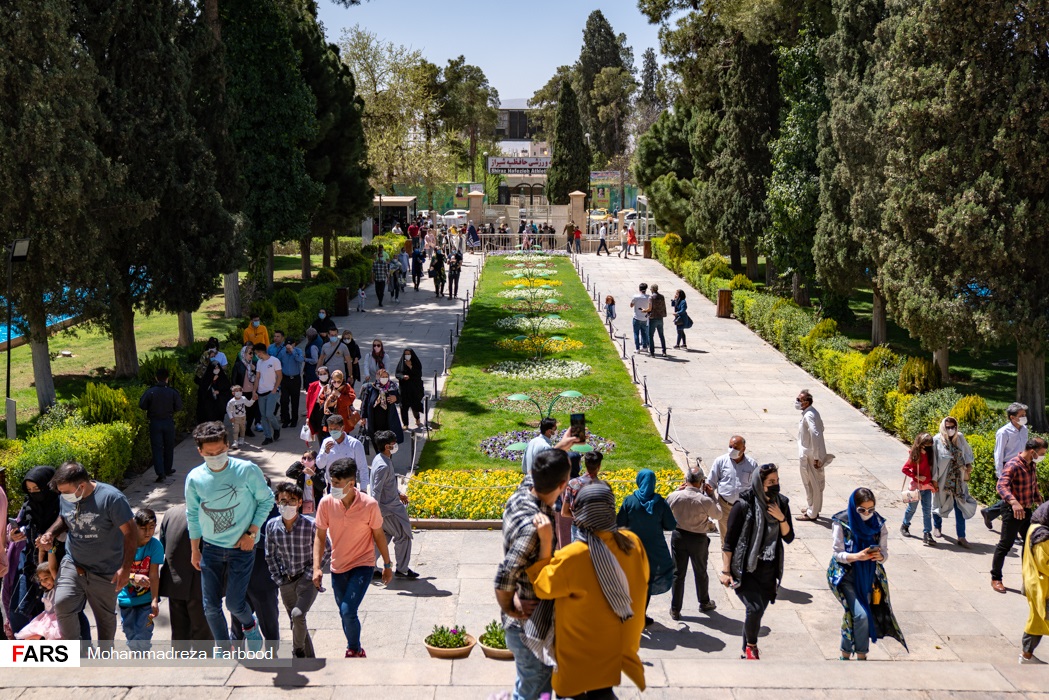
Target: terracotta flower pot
(500,654)
(458,653)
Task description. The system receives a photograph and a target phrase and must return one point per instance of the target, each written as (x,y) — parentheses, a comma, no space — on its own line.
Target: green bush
(924,413)
(742,282)
(316,297)
(881,397)
(62,414)
(852,378)
(265,310)
(102,404)
(354,259)
(983,481)
(181,380)
(323,277)
(970,412)
(675,246)
(712,262)
(918,375)
(690,253)
(880,358)
(293,323)
(285,300)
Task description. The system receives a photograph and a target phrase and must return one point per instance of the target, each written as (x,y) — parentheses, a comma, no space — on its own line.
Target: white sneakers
(1031,660)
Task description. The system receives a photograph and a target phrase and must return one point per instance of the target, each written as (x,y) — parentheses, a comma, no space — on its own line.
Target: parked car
(455,217)
(599,215)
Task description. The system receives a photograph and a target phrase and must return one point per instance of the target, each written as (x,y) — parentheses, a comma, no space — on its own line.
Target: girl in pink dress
(44,625)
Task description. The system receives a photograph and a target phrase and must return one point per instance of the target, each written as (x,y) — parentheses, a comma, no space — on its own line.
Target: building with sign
(515,132)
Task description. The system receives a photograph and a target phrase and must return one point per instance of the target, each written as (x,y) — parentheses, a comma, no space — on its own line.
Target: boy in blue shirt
(139,600)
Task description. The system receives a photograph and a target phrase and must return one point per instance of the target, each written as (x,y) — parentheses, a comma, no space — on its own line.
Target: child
(360,297)
(44,625)
(237,412)
(291,563)
(610,307)
(139,600)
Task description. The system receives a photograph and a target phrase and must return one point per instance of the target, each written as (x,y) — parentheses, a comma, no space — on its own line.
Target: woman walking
(952,466)
(1035,569)
(455,268)
(410,375)
(752,552)
(857,575)
(379,406)
(374,362)
(647,514)
(919,468)
(439,274)
(681,319)
(598,635)
(213,393)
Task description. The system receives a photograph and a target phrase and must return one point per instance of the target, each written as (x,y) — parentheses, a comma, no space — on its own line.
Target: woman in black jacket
(752,552)
(303,470)
(410,376)
(213,394)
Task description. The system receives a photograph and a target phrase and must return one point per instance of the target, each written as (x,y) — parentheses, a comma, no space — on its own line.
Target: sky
(517,45)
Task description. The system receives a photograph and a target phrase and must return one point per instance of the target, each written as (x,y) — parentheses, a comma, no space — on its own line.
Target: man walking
(292,363)
(602,234)
(639,303)
(101,541)
(340,445)
(730,475)
(380,271)
(180,583)
(656,312)
(227,502)
(1009,441)
(161,403)
(812,454)
(695,513)
(1018,487)
(392,503)
(269,379)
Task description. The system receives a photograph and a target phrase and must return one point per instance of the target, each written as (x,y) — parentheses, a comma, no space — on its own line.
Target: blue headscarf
(646,489)
(864,534)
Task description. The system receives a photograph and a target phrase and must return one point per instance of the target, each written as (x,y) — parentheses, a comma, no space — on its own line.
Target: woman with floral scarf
(379,401)
(952,465)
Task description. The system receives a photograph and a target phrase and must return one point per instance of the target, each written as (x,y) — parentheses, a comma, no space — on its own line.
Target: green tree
(613,92)
(53,177)
(570,162)
(471,106)
(664,168)
(601,49)
(544,103)
(964,94)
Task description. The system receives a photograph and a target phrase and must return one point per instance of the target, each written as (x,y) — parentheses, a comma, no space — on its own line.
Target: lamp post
(486,174)
(17,252)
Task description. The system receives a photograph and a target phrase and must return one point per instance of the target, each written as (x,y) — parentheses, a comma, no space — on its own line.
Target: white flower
(540,369)
(531,272)
(523,323)
(526,293)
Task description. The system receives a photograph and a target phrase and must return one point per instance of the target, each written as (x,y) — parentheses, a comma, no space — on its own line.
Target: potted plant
(493,642)
(445,643)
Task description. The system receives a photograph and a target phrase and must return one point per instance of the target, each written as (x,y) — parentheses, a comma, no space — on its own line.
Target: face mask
(772,491)
(322,378)
(38,497)
(734,454)
(384,381)
(255,324)
(347,340)
(216,372)
(1039,458)
(322,315)
(1022,420)
(336,434)
(289,512)
(73,498)
(216,462)
(237,394)
(334,339)
(951,432)
(797,405)
(866,517)
(337,493)
(393,450)
(408,357)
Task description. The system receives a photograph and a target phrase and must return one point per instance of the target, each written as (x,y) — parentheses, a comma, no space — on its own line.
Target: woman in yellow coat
(598,585)
(1036,582)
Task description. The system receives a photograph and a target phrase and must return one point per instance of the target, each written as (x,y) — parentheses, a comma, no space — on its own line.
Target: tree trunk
(43,379)
(185,329)
(799,290)
(211,13)
(335,244)
(304,249)
(1030,386)
(269,268)
(752,261)
(231,290)
(125,350)
(879,324)
(735,259)
(770,273)
(326,262)
(941,358)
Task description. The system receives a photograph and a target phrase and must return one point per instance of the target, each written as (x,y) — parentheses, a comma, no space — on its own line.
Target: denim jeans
(640,334)
(225,573)
(533,676)
(926,501)
(655,325)
(861,633)
(267,406)
(137,626)
(959,521)
(162,440)
(349,588)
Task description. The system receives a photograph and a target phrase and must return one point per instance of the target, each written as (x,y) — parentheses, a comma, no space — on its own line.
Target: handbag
(908,495)
(688,321)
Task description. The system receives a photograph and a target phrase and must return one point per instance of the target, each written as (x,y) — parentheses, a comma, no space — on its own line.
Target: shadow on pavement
(666,639)
(792,596)
(293,676)
(419,588)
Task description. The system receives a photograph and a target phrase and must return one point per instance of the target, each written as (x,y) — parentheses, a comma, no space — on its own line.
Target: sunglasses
(865,511)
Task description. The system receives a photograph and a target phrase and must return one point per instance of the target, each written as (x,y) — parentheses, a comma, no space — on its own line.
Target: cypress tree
(601,49)
(569,161)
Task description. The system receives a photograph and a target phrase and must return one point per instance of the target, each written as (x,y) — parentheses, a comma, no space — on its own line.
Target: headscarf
(646,489)
(765,529)
(42,511)
(953,483)
(1040,517)
(864,534)
(594,511)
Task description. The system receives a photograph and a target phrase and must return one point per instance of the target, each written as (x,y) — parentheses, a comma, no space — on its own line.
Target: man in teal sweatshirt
(227,501)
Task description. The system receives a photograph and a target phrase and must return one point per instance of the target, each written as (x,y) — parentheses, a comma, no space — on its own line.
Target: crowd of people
(650,313)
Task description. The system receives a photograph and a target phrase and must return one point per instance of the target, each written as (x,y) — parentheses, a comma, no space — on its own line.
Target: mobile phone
(874,548)
(578,426)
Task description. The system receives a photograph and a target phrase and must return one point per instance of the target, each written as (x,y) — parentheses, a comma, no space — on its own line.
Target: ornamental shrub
(675,246)
(925,411)
(716,265)
(919,375)
(265,310)
(825,329)
(880,358)
(881,398)
(62,414)
(690,253)
(852,382)
(318,296)
(901,401)
(324,276)
(102,404)
(971,411)
(983,481)
(285,300)
(742,282)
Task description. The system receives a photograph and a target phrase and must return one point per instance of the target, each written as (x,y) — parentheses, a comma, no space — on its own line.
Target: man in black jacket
(180,584)
(161,403)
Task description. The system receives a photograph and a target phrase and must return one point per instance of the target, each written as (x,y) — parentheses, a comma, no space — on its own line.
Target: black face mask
(772,491)
(38,496)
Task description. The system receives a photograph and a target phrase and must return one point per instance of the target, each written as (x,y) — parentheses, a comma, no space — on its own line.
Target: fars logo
(39,654)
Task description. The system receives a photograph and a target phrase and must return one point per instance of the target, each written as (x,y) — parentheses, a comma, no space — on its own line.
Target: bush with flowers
(537,292)
(540,369)
(533,344)
(532,272)
(525,306)
(525,283)
(524,323)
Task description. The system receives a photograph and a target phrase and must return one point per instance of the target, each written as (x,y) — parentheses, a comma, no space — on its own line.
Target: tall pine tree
(601,49)
(570,158)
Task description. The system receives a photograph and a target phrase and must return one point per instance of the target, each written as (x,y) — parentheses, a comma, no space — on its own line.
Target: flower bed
(517,256)
(532,272)
(496,446)
(540,369)
(480,494)
(532,283)
(537,292)
(524,265)
(533,344)
(523,323)
(566,404)
(527,306)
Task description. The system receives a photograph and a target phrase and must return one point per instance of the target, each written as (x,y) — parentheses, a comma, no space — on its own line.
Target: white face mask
(335,434)
(289,512)
(1022,420)
(865,517)
(337,493)
(216,371)
(1039,458)
(72,497)
(951,432)
(734,454)
(322,378)
(797,405)
(216,462)
(237,394)
(393,450)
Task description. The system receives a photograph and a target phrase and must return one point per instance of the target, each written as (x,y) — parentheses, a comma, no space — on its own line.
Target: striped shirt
(289,555)
(520,541)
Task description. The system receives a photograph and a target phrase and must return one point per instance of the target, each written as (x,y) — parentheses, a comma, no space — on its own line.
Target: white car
(455,217)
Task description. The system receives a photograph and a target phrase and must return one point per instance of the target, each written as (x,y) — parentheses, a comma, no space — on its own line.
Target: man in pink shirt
(354,523)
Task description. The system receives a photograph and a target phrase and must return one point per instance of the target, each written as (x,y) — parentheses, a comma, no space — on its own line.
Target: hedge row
(895,391)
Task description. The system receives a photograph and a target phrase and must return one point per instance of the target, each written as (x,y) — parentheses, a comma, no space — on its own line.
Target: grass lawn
(466,418)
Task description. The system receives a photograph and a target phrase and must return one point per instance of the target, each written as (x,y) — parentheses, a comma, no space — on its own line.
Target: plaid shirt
(381,270)
(290,554)
(520,541)
(1019,481)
